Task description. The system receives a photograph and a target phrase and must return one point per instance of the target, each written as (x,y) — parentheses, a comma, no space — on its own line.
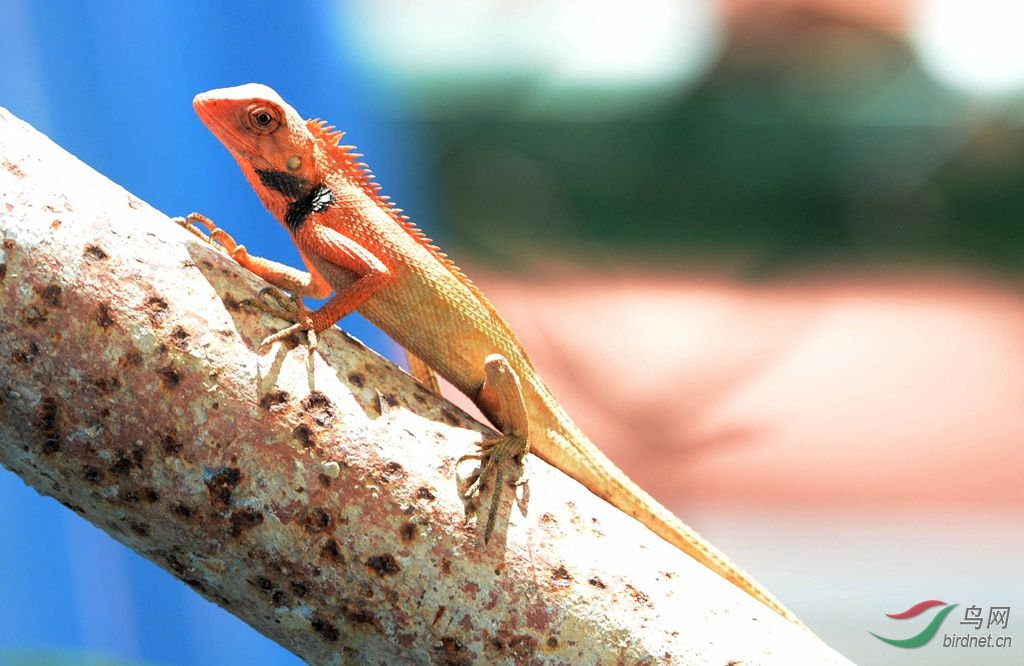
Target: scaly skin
(362,249)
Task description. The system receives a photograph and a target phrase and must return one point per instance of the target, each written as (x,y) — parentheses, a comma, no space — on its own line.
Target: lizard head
(271,142)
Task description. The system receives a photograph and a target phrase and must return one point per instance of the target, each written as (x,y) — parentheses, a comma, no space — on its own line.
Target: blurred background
(768,253)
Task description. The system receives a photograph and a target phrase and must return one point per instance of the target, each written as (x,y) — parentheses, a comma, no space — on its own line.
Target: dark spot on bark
(52,295)
(195,584)
(9,244)
(597,582)
(325,629)
(561,573)
(133,358)
(273,399)
(317,520)
(231,303)
(129,496)
(106,384)
(390,399)
(497,644)
(393,471)
(150,496)
(424,493)
(3,272)
(174,564)
(92,475)
(383,565)
(638,596)
(450,651)
(438,615)
(94,253)
(279,598)
(221,482)
(103,317)
(264,584)
(446,566)
(320,407)
(356,379)
(304,434)
(156,309)
(299,588)
(171,444)
(332,552)
(552,642)
(244,519)
(356,614)
(24,351)
(35,316)
(74,507)
(449,417)
(47,421)
(184,511)
(325,480)
(122,466)
(140,528)
(179,337)
(14,170)
(522,647)
(407,533)
(215,406)
(169,376)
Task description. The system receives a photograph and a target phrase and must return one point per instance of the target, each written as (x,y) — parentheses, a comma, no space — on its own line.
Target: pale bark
(320,507)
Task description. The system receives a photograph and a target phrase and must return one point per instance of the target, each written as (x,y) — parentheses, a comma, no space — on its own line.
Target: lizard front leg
(361,275)
(298,283)
(502,396)
(284,277)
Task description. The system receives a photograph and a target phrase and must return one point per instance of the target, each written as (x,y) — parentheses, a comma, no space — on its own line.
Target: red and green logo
(928,633)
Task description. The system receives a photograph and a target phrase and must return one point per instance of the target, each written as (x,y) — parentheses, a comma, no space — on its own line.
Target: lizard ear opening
(262,118)
(293,163)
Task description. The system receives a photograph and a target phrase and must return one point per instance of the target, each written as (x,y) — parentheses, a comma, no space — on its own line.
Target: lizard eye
(263,119)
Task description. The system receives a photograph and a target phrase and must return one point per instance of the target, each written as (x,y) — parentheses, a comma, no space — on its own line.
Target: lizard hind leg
(501,394)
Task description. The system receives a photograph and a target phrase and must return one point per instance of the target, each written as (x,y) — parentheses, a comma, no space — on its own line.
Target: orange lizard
(360,248)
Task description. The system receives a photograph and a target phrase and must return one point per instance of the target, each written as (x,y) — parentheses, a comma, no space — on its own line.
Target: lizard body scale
(361,248)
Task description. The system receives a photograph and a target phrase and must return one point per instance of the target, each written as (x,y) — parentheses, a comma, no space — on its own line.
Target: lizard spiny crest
(360,173)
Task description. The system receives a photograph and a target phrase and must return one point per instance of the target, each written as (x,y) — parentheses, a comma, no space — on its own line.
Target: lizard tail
(599,474)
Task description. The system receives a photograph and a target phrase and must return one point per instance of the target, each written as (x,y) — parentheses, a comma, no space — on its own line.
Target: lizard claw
(213,235)
(288,307)
(494,454)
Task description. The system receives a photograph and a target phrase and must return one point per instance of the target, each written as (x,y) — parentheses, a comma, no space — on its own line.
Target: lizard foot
(213,235)
(495,453)
(288,307)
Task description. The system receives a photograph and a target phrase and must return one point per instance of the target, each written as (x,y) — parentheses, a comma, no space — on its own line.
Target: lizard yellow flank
(362,250)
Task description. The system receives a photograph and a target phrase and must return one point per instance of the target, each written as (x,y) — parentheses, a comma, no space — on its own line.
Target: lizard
(367,255)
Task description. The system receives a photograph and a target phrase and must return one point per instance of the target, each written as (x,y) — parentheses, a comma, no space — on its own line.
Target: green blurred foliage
(809,141)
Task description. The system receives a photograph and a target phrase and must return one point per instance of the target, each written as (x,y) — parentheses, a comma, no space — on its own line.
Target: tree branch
(329,517)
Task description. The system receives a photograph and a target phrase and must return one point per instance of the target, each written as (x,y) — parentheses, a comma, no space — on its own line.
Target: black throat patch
(316,200)
(306,199)
(288,184)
